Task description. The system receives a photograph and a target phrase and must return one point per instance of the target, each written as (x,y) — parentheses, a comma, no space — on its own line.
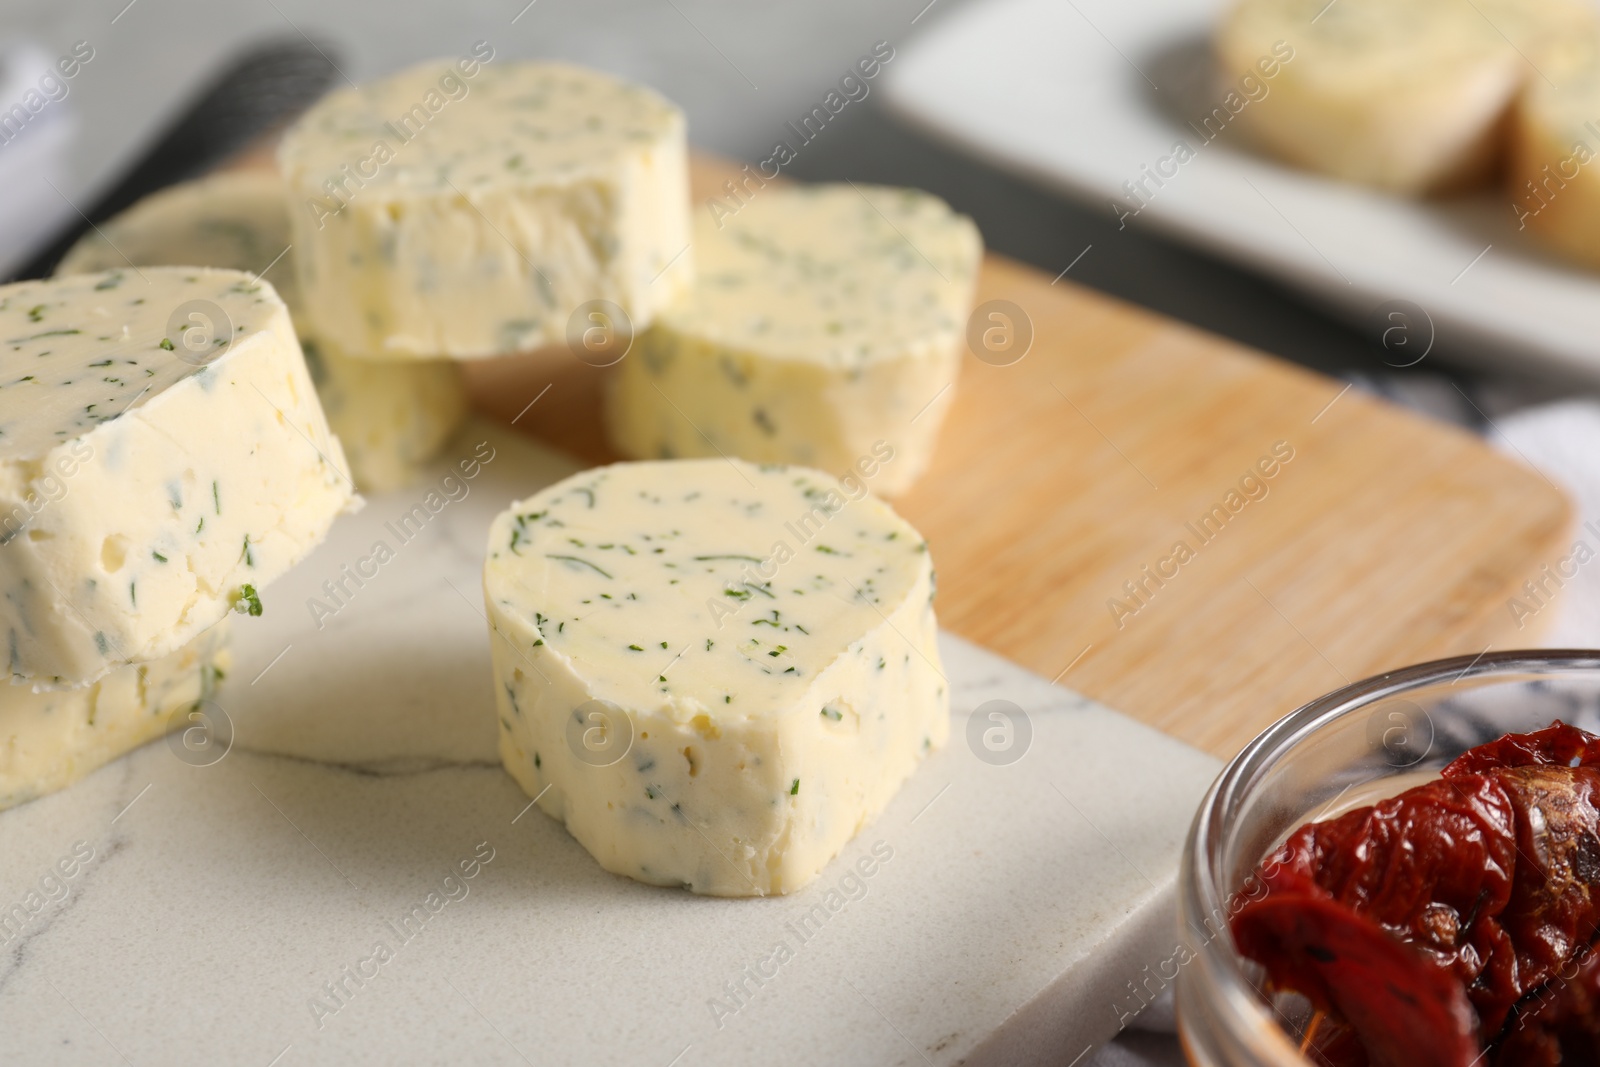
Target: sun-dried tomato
(1557,745)
(1405,1007)
(1558,1024)
(1432,867)
(1420,922)
(1555,905)
(1421,875)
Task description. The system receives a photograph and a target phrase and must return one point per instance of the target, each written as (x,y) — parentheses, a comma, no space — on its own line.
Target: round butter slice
(714,673)
(52,738)
(1555,156)
(824,329)
(1406,95)
(390,416)
(163,458)
(441,212)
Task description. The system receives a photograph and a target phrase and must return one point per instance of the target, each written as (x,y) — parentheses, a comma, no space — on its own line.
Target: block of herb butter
(714,673)
(53,737)
(825,326)
(163,458)
(469,209)
(1407,95)
(391,417)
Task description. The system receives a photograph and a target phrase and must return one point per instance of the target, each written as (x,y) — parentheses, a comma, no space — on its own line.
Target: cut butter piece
(1555,156)
(391,417)
(52,738)
(714,673)
(163,458)
(481,226)
(1407,95)
(825,327)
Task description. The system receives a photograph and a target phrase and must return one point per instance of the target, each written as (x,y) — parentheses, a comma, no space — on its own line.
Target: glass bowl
(1369,740)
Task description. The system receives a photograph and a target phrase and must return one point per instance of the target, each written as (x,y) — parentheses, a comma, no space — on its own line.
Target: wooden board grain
(1385,539)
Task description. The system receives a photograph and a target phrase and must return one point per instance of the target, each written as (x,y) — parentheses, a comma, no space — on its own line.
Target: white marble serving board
(221,900)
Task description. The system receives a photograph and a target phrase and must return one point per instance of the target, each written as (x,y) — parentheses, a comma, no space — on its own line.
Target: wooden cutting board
(1385,539)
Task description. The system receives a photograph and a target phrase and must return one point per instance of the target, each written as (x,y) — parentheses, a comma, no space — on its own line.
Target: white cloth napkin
(1561,440)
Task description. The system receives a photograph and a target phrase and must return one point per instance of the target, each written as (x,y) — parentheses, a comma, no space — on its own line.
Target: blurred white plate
(1064,92)
(33,153)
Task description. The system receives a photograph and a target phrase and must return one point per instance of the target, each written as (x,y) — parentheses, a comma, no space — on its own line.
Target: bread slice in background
(1413,96)
(1554,172)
